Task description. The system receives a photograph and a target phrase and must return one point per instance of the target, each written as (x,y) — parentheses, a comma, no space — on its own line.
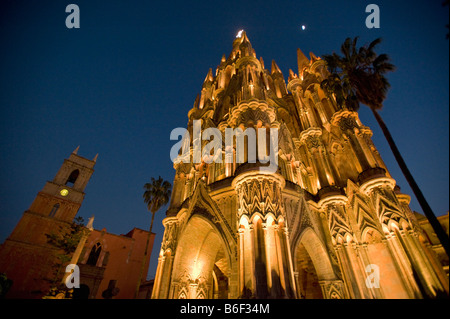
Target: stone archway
(312,266)
(202,263)
(307,279)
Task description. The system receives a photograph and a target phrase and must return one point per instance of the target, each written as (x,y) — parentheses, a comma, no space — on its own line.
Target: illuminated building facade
(330,223)
(25,256)
(109,264)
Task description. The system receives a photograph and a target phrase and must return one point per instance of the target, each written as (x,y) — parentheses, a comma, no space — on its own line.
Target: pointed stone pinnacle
(209,76)
(313,57)
(292,75)
(302,61)
(262,62)
(275,68)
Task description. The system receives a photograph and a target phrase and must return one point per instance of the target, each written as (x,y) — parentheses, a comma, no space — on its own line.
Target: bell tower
(25,256)
(61,198)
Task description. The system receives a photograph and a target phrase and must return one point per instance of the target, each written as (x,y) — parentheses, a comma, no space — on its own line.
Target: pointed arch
(312,266)
(363,215)
(201,248)
(388,213)
(371,235)
(205,243)
(318,253)
(202,203)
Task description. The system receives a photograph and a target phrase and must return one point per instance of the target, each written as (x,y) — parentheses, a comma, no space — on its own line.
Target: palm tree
(360,75)
(156,195)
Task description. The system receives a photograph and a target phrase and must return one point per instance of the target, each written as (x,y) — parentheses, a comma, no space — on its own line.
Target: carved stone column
(343,240)
(312,139)
(380,190)
(162,281)
(260,211)
(347,122)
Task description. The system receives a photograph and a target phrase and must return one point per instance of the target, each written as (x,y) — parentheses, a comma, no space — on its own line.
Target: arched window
(54,210)
(95,253)
(72,178)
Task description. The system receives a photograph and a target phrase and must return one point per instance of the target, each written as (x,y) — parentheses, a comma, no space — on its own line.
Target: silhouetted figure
(81,293)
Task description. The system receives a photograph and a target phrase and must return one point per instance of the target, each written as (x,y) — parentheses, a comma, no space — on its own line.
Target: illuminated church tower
(330,223)
(25,256)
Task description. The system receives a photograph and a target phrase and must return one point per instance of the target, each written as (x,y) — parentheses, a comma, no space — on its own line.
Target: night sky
(120,83)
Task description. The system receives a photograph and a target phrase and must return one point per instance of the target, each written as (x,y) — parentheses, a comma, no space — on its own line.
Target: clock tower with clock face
(61,198)
(26,256)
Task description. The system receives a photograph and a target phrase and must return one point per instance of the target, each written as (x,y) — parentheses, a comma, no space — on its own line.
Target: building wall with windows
(110,265)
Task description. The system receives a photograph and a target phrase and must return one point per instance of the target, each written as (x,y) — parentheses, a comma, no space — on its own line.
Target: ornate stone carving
(338,221)
(259,195)
(313,142)
(305,220)
(254,116)
(347,124)
(170,236)
(333,289)
(311,138)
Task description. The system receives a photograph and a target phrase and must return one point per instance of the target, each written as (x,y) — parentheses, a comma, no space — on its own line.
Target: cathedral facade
(329,223)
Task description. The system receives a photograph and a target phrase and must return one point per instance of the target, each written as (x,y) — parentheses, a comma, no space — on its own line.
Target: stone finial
(275,68)
(302,61)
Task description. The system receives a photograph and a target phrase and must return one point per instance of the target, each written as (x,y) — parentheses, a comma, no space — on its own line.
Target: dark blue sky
(118,86)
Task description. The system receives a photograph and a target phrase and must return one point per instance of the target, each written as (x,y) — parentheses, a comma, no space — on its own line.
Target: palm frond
(156,194)
(360,73)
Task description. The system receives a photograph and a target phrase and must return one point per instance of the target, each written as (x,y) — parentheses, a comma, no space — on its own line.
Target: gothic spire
(292,75)
(244,38)
(302,61)
(313,57)
(275,68)
(243,45)
(262,62)
(209,76)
